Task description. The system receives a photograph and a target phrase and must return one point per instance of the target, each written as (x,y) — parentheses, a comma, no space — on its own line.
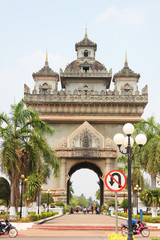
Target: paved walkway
(89,219)
(81,219)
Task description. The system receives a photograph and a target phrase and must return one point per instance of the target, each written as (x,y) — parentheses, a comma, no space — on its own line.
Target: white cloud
(129,16)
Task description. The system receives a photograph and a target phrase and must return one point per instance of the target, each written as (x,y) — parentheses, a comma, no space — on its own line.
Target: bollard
(141,215)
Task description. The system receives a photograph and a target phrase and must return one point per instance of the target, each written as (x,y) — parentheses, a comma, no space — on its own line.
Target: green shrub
(31,213)
(25,219)
(103,208)
(67,208)
(154,238)
(33,217)
(44,214)
(36,217)
(60,204)
(145,218)
(40,216)
(55,213)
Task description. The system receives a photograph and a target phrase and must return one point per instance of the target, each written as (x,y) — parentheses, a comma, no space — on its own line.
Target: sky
(28,28)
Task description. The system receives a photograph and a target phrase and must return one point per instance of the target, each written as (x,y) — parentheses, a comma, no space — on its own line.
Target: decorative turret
(86,48)
(126,80)
(85,70)
(45,79)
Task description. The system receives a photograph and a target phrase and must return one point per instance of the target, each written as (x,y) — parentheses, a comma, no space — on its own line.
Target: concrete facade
(85,114)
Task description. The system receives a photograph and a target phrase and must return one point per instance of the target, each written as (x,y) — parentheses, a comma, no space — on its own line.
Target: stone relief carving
(45,89)
(145,90)
(86,140)
(62,144)
(26,89)
(109,144)
(86,136)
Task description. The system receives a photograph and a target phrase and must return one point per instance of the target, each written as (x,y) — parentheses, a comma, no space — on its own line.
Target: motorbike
(137,228)
(7,228)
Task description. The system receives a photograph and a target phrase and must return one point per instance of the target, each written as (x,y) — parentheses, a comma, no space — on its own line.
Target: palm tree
(23,147)
(137,177)
(150,153)
(98,193)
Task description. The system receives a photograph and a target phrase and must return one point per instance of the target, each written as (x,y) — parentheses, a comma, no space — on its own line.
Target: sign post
(115,181)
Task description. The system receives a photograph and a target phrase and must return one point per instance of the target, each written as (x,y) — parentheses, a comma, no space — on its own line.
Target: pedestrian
(98,210)
(92,209)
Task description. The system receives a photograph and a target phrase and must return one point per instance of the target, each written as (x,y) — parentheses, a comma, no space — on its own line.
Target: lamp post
(128,142)
(137,189)
(158,181)
(21,183)
(124,194)
(48,200)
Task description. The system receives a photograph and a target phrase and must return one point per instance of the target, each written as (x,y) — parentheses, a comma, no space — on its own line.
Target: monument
(85,114)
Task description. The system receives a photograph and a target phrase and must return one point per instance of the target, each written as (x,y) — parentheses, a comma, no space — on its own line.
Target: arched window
(85,53)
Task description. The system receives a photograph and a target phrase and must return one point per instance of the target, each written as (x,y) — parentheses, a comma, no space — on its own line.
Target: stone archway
(84,148)
(91,166)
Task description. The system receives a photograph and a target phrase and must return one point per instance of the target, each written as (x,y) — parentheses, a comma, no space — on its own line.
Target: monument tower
(85,114)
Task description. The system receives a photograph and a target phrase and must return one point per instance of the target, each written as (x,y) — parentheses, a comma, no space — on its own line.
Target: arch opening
(94,168)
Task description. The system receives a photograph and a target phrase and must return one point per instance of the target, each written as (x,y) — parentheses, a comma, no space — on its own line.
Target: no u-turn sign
(115,180)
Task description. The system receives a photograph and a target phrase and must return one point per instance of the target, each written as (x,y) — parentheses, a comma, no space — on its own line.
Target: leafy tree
(44,199)
(98,194)
(33,187)
(90,201)
(111,203)
(82,201)
(150,152)
(136,177)
(24,145)
(71,191)
(151,197)
(124,203)
(4,191)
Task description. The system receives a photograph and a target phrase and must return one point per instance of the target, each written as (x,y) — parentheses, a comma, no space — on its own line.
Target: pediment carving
(86,136)
(62,144)
(86,142)
(109,144)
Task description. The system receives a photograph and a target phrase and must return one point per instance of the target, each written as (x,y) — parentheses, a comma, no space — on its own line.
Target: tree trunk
(153,181)
(135,202)
(13,212)
(154,209)
(15,194)
(25,210)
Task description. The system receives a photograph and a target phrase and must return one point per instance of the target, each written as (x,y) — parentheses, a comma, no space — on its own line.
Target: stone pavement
(82,220)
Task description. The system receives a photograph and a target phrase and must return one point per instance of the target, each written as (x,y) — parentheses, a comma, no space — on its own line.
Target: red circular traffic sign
(115,180)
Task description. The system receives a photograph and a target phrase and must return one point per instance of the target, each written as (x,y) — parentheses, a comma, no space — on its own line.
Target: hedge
(60,204)
(43,215)
(145,218)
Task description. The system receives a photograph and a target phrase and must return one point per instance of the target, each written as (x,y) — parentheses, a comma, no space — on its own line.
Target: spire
(126,63)
(85,32)
(46,62)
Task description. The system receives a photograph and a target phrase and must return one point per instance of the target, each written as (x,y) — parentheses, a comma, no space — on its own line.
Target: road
(66,238)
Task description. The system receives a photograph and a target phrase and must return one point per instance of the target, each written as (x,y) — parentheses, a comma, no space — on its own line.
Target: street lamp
(48,200)
(21,183)
(124,194)
(128,142)
(158,181)
(137,189)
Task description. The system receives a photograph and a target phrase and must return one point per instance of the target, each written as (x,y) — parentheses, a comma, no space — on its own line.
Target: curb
(47,219)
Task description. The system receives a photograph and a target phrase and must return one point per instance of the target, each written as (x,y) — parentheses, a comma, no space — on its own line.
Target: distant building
(85,114)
